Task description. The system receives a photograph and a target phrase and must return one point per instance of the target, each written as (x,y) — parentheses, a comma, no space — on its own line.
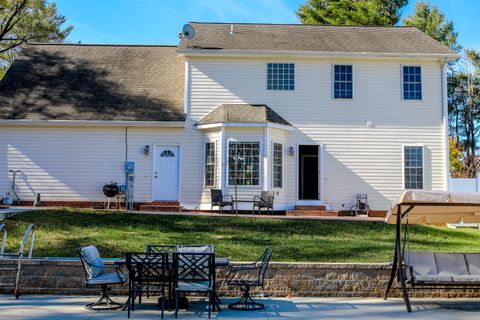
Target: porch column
(266,144)
(223,160)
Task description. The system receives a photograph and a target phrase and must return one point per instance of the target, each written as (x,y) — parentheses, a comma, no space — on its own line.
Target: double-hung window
(277,165)
(280,76)
(412,83)
(210,164)
(243,163)
(413,167)
(342,81)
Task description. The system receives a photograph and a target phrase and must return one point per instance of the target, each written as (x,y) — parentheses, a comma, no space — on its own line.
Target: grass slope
(61,231)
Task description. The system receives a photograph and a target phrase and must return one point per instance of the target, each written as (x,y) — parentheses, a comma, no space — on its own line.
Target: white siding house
(314,114)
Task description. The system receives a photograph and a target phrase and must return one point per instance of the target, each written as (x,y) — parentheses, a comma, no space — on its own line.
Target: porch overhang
(245,125)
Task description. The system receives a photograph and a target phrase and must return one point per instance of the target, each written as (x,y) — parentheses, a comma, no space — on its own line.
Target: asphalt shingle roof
(243,113)
(94,82)
(315,38)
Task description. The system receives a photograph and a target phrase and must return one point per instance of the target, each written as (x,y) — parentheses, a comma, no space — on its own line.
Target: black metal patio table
(219,262)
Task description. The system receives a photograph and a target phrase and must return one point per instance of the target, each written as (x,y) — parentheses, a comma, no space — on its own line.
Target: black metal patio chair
(147,272)
(169,249)
(194,272)
(237,276)
(220,201)
(95,275)
(265,200)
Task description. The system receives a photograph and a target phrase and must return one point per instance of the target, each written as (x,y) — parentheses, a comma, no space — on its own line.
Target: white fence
(465,184)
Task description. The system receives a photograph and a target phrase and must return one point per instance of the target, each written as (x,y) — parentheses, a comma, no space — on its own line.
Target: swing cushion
(443,267)
(423,265)
(473,263)
(451,264)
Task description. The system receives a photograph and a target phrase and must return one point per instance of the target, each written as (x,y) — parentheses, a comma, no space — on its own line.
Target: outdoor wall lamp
(291,151)
(146,150)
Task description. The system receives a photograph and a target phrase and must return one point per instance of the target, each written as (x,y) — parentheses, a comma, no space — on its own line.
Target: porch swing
(415,270)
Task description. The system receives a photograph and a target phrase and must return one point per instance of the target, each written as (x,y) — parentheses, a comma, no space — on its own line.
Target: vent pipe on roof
(231,29)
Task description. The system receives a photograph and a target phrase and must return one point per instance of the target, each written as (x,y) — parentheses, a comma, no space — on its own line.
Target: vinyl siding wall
(73,163)
(357,158)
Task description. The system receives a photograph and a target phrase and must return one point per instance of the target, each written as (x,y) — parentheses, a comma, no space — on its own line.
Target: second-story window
(343,82)
(280,76)
(412,83)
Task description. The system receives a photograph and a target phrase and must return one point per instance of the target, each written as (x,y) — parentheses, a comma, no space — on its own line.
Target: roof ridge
(305,24)
(98,44)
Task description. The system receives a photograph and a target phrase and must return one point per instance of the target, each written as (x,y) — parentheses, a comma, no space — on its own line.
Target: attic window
(281,76)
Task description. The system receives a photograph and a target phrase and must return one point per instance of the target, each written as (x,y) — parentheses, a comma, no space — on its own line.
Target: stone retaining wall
(44,276)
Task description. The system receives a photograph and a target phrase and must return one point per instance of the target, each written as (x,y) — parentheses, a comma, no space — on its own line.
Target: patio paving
(71,307)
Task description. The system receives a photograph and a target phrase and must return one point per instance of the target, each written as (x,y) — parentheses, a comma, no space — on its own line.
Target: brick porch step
(157,206)
(312,213)
(311,207)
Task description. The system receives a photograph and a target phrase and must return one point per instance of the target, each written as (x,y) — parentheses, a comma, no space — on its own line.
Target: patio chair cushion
(191,286)
(473,263)
(108,278)
(195,249)
(451,264)
(423,264)
(95,265)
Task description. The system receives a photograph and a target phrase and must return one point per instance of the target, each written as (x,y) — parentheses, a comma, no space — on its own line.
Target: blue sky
(159,21)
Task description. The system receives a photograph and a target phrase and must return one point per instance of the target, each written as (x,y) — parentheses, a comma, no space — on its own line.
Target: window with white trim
(412,83)
(280,76)
(243,163)
(210,164)
(277,165)
(413,167)
(343,81)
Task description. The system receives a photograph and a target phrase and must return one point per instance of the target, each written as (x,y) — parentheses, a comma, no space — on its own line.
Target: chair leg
(176,303)
(163,301)
(209,304)
(246,303)
(105,302)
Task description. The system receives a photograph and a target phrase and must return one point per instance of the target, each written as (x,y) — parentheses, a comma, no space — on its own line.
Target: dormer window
(280,76)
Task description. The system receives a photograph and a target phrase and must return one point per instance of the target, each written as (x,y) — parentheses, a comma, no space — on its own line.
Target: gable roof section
(94,82)
(243,113)
(314,38)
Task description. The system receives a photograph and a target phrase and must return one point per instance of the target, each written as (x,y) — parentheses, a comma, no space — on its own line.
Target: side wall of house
(73,163)
(357,158)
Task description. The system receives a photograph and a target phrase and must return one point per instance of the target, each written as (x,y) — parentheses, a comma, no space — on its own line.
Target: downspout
(444,63)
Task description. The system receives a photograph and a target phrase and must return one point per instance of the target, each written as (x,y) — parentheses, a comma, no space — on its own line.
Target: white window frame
(273,165)
(294,78)
(227,177)
(421,83)
(403,165)
(333,81)
(214,165)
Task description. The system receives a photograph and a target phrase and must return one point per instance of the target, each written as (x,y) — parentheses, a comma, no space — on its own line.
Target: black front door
(308,172)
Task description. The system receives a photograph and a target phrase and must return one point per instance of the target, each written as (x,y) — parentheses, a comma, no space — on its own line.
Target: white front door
(166,173)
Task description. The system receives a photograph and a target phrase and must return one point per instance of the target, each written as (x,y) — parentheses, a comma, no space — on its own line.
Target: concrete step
(312,213)
(159,207)
(311,207)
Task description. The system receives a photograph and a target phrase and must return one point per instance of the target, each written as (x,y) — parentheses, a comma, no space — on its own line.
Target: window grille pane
(280,76)
(244,163)
(343,82)
(277,165)
(412,83)
(413,167)
(210,164)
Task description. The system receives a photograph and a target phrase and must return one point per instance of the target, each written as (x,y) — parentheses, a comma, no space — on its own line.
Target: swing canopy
(435,207)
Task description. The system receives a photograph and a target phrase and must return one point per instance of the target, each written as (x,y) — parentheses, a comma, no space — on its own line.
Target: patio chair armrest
(228,196)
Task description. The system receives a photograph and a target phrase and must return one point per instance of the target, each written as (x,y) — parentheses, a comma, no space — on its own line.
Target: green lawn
(60,231)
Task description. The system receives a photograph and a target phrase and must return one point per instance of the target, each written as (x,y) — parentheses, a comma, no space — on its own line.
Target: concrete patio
(71,307)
